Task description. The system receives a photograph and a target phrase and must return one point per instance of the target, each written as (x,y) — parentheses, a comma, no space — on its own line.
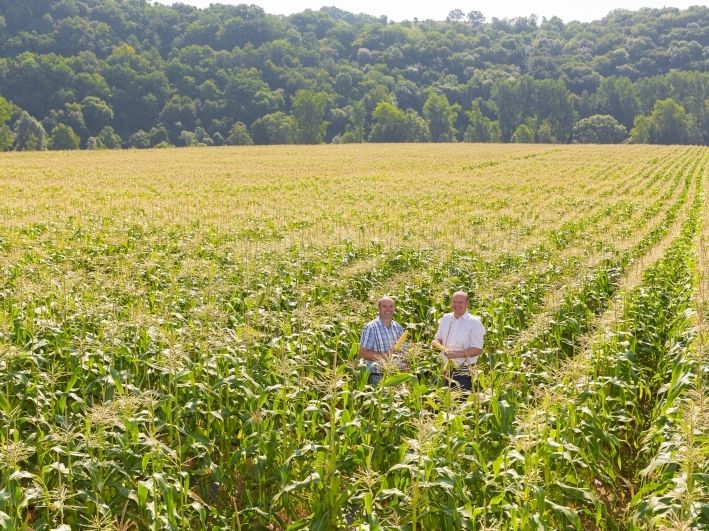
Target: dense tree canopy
(599,129)
(160,75)
(63,137)
(668,123)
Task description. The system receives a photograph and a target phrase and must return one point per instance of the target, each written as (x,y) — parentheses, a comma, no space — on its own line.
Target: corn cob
(401,340)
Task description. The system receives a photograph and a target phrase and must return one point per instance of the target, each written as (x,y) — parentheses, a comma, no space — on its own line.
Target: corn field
(179,334)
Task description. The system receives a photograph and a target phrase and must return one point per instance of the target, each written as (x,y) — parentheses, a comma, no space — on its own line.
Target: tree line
(127,73)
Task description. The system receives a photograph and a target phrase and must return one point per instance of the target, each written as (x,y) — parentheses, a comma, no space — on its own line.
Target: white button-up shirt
(461,333)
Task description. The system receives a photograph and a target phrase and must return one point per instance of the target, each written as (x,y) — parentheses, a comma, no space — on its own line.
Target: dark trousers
(461,380)
(375,378)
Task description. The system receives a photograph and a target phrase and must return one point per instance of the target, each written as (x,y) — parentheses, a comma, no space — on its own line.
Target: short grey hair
(385,298)
(463,293)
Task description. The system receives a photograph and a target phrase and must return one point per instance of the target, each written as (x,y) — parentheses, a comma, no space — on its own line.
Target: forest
(93,74)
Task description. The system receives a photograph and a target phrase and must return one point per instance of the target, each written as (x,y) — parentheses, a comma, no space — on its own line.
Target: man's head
(386,308)
(459,303)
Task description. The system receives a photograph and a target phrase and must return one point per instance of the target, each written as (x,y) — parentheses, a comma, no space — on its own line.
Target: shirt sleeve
(439,333)
(477,334)
(367,341)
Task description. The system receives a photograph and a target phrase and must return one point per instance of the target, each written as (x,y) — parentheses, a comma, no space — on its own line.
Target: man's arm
(371,355)
(366,344)
(471,352)
(439,333)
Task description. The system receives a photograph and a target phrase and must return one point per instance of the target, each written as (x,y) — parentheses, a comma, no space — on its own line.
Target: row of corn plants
(517,369)
(673,487)
(577,463)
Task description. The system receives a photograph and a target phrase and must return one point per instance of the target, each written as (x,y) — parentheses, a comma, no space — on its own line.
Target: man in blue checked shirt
(378,339)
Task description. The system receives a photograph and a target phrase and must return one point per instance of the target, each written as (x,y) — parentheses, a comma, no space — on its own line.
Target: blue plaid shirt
(380,338)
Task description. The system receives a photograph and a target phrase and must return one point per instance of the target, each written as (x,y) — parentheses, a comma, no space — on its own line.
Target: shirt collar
(379,320)
(463,317)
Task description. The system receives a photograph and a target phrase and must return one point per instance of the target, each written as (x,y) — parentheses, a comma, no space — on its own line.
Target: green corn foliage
(182,354)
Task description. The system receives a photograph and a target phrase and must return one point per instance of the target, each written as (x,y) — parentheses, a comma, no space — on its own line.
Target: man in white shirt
(462,336)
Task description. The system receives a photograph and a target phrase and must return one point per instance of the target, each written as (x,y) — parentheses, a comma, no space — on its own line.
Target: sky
(399,10)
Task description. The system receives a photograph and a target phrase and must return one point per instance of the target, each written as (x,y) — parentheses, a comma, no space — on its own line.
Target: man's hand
(471,352)
(373,355)
(384,357)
